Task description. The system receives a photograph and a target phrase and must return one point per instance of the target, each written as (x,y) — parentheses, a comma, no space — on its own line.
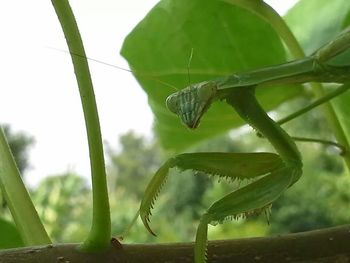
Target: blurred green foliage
(137,159)
(63,203)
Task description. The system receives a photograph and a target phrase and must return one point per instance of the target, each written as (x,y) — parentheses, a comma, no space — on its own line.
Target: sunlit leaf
(224,38)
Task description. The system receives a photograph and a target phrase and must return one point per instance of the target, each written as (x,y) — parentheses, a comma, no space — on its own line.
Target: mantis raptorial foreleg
(272,173)
(279,172)
(233,166)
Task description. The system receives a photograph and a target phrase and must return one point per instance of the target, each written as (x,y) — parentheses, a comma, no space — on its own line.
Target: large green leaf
(9,236)
(225,39)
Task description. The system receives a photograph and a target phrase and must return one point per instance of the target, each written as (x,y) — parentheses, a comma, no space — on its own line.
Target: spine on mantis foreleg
(246,105)
(231,166)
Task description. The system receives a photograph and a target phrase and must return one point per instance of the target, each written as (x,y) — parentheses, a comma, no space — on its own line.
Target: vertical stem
(100,233)
(18,200)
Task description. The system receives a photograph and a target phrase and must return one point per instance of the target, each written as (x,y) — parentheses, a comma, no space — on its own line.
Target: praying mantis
(271,174)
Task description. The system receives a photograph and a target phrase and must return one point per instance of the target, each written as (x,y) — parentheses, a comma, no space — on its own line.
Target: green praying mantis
(271,174)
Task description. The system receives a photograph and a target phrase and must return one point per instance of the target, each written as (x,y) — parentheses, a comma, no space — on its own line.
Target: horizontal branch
(326,245)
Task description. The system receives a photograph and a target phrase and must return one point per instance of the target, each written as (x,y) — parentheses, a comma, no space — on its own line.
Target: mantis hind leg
(251,199)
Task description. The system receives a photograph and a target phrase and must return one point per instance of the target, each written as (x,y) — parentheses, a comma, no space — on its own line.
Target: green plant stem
(314,104)
(100,233)
(18,200)
(321,141)
(266,12)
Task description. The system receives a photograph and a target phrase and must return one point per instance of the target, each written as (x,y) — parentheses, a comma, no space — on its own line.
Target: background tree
(20,144)
(136,160)
(62,202)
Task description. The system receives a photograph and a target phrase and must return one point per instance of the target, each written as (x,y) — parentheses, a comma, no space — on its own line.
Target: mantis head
(192,102)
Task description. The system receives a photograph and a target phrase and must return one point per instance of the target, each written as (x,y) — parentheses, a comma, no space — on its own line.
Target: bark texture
(326,245)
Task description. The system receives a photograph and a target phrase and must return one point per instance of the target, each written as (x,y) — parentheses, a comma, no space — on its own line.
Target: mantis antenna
(120,68)
(188,67)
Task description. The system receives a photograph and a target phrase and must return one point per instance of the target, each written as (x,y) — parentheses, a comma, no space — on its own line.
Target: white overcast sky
(38,90)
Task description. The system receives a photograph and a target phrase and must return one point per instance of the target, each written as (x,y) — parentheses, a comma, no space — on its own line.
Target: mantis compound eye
(172,103)
(206,92)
